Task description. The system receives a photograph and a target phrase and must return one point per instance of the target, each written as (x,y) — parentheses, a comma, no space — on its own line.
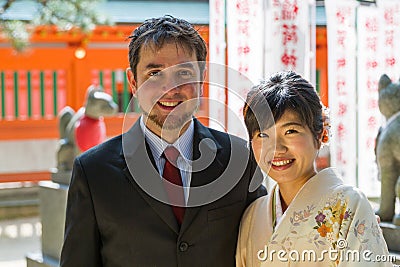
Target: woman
(309,218)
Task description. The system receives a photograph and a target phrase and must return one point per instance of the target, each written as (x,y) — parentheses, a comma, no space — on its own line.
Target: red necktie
(172,174)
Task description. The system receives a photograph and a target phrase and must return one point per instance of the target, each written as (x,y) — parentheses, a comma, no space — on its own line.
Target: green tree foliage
(65,14)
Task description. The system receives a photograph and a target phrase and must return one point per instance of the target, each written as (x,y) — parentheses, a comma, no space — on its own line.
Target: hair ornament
(326,133)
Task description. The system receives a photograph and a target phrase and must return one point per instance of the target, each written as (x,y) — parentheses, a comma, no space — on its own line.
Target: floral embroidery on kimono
(325,216)
(331,217)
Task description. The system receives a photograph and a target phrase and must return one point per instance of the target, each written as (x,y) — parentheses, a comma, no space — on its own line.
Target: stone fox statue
(85,128)
(388,149)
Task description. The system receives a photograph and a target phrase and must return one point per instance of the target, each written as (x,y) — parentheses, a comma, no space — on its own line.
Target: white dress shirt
(184,144)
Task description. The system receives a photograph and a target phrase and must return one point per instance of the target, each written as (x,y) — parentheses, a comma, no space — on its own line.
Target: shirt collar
(184,143)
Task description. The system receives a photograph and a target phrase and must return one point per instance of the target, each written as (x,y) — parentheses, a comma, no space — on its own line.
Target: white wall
(28,155)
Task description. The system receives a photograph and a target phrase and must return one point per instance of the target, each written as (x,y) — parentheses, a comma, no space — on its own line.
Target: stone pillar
(53,201)
(391,233)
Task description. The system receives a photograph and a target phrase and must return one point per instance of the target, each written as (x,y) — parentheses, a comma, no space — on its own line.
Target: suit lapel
(140,170)
(203,172)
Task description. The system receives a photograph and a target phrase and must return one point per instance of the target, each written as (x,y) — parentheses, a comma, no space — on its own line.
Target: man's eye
(155,73)
(262,135)
(185,73)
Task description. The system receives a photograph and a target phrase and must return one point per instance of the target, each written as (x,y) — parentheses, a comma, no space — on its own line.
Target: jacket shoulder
(227,138)
(106,150)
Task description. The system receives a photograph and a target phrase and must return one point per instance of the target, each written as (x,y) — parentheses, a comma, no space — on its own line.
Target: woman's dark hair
(157,31)
(283,91)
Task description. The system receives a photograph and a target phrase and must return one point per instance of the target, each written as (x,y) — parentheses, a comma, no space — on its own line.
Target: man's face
(167,86)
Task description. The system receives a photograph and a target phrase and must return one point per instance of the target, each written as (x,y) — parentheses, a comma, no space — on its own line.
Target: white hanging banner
(390,41)
(287,38)
(216,67)
(245,20)
(341,28)
(370,29)
(378,39)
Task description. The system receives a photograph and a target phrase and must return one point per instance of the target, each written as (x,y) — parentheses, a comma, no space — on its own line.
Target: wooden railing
(40,94)
(31,94)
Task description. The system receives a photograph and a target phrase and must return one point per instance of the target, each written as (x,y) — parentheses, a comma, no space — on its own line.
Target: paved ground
(18,237)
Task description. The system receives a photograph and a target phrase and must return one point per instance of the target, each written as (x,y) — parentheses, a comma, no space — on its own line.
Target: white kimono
(327,224)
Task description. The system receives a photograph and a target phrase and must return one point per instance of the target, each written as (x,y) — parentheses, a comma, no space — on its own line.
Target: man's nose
(170,83)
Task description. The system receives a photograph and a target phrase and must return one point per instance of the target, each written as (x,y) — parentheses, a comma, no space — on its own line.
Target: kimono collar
(277,212)
(320,184)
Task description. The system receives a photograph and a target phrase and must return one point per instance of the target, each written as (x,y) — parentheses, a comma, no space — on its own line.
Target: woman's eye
(262,135)
(291,131)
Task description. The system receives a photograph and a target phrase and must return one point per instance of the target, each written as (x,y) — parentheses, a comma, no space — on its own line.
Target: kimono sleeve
(361,241)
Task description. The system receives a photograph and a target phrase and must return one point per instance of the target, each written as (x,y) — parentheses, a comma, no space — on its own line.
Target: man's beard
(171,121)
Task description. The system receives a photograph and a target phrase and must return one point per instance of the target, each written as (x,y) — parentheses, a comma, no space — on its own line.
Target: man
(119,210)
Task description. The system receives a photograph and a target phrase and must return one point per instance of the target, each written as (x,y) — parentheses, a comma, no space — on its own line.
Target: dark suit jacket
(112,221)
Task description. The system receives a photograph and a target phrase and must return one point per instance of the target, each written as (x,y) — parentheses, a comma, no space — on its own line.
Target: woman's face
(295,153)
